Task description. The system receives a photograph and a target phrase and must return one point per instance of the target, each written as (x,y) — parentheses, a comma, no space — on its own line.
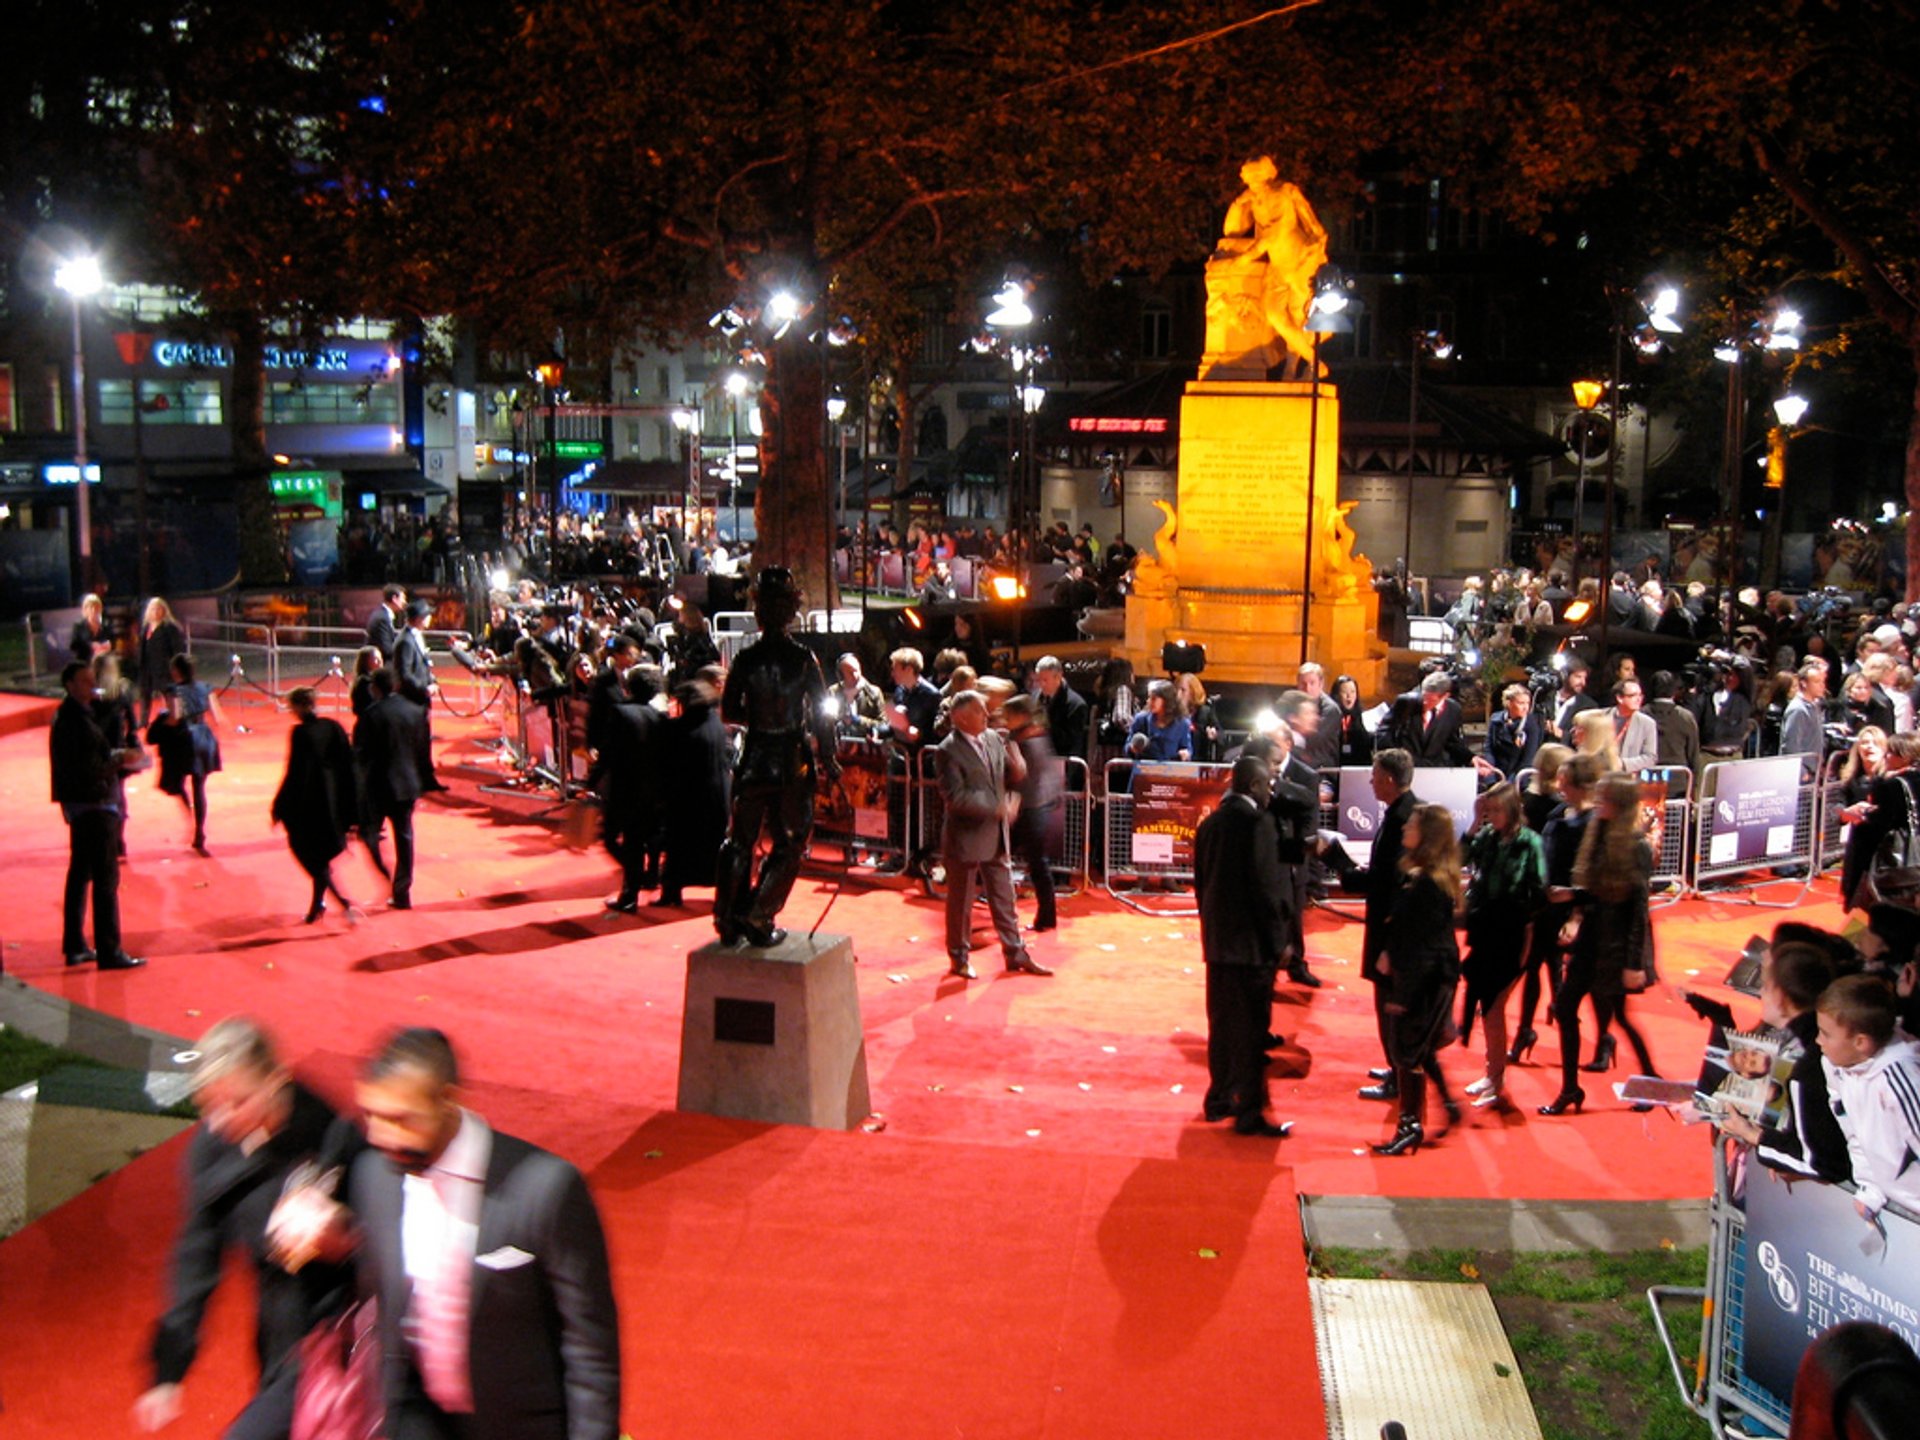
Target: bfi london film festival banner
(1813,1262)
(1169,802)
(1754,806)
(1359,813)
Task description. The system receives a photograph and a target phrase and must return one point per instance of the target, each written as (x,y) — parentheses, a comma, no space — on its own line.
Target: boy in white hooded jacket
(1873,1084)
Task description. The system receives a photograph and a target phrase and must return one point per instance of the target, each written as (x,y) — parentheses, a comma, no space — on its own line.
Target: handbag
(338,1394)
(1895,871)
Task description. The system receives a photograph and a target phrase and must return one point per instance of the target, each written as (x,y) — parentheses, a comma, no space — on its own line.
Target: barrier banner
(1169,802)
(1813,1262)
(857,805)
(1755,803)
(1359,812)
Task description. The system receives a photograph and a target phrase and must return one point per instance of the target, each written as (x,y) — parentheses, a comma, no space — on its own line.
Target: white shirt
(440,1210)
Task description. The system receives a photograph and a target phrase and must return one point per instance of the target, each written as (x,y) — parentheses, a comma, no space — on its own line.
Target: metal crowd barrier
(1119,863)
(1714,1382)
(890,844)
(1670,856)
(1802,855)
(1833,799)
(1071,857)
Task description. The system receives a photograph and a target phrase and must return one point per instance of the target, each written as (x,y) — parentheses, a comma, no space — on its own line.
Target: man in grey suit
(979,776)
(1634,731)
(497,1317)
(1803,728)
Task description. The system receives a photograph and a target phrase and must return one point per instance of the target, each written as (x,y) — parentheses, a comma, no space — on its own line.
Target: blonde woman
(1421,968)
(1612,951)
(161,638)
(1593,734)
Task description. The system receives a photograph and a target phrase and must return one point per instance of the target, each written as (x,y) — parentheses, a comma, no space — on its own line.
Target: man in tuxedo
(1634,732)
(632,743)
(1295,808)
(1237,875)
(86,787)
(979,776)
(413,678)
(609,689)
(1067,712)
(388,738)
(1513,736)
(1318,740)
(1379,882)
(1428,724)
(381,630)
(497,1316)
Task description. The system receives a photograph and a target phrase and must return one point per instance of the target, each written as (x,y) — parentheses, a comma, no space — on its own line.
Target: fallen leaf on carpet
(461,893)
(1017,1089)
(1085,1086)
(874,1123)
(1109,947)
(898,979)
(269,965)
(1110,1049)
(1503,1371)
(194,1013)
(653,1155)
(936,1087)
(1033,1134)
(1206,1254)
(1666,1245)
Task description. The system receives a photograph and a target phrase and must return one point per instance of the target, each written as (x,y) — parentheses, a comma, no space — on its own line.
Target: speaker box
(1175,656)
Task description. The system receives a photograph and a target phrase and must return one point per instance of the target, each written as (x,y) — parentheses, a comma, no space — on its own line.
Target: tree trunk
(263,558)
(905,409)
(1913,476)
(792,507)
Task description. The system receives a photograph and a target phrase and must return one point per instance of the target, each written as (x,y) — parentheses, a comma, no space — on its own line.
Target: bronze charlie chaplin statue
(776,691)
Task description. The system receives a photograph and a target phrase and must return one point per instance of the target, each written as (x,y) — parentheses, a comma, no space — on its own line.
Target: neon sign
(174,354)
(1116,425)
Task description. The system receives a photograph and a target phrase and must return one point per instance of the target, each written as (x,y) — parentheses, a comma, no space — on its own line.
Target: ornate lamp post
(551,373)
(80,277)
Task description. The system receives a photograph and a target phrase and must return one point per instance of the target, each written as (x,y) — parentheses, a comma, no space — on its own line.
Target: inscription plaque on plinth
(774,1034)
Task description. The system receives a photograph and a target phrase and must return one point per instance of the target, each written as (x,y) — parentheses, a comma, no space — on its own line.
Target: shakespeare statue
(776,691)
(1260,280)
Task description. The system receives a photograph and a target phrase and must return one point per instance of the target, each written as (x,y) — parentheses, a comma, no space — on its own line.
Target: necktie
(441,1314)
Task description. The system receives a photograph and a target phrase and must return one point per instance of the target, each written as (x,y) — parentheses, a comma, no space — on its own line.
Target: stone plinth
(1232,573)
(775,1034)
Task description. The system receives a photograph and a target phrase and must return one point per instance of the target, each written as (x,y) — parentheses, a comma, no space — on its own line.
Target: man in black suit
(1513,736)
(1295,808)
(1570,700)
(1428,724)
(1067,711)
(910,713)
(609,688)
(258,1126)
(1237,875)
(381,630)
(413,678)
(1379,882)
(497,1316)
(630,746)
(86,774)
(388,739)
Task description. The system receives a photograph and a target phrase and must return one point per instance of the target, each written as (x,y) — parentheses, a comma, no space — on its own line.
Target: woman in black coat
(1356,741)
(1421,968)
(188,748)
(697,790)
(317,800)
(161,638)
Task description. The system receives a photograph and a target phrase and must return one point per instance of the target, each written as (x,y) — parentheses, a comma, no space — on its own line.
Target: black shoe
(1523,1046)
(625,903)
(1602,1056)
(1260,1125)
(200,845)
(1566,1100)
(400,902)
(315,913)
(1385,1090)
(1212,1110)
(1026,965)
(1406,1140)
(1452,1107)
(1275,1041)
(1380,1072)
(80,957)
(121,961)
(962,970)
(671,899)
(1301,975)
(762,937)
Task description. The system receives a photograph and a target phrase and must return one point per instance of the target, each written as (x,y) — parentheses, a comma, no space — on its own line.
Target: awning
(662,479)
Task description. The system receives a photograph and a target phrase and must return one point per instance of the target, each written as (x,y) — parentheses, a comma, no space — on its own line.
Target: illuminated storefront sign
(175,354)
(1116,425)
(68,474)
(579,449)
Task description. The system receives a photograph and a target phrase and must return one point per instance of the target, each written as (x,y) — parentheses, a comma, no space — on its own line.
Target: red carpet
(25,712)
(1076,1098)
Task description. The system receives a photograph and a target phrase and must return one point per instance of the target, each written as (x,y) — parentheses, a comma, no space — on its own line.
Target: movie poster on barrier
(1169,802)
(1813,1262)
(1359,813)
(857,804)
(1755,806)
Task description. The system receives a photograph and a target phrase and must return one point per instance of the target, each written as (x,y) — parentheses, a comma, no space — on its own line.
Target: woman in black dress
(696,783)
(1508,888)
(161,638)
(1421,968)
(1612,950)
(1356,741)
(189,749)
(318,799)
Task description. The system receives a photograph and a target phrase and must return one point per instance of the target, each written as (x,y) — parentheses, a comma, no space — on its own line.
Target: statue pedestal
(775,1034)
(1258,529)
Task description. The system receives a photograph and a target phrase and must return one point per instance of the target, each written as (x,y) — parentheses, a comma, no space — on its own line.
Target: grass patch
(23,1058)
(1579,1325)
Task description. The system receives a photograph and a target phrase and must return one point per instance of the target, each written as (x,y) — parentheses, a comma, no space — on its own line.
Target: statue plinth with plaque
(1257,549)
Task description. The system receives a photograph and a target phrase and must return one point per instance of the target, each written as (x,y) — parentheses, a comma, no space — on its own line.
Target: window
(1156,332)
(290,404)
(162,402)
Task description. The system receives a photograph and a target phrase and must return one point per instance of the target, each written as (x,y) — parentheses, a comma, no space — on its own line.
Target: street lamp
(1425,342)
(1788,411)
(687,422)
(80,277)
(1324,317)
(836,413)
(1586,395)
(1779,330)
(737,385)
(551,372)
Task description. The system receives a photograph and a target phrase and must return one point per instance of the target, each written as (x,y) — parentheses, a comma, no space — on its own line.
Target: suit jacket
(388,739)
(1380,882)
(1726,726)
(1237,874)
(1442,742)
(633,742)
(412,671)
(1565,710)
(1067,716)
(543,1343)
(1803,730)
(1678,733)
(380,631)
(975,790)
(1295,808)
(82,757)
(1639,743)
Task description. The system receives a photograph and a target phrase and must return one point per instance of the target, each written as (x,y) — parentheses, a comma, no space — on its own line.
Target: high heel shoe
(1523,1046)
(1602,1056)
(1566,1100)
(1406,1139)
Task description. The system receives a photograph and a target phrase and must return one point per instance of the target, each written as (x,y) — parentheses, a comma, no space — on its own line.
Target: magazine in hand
(1745,1072)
